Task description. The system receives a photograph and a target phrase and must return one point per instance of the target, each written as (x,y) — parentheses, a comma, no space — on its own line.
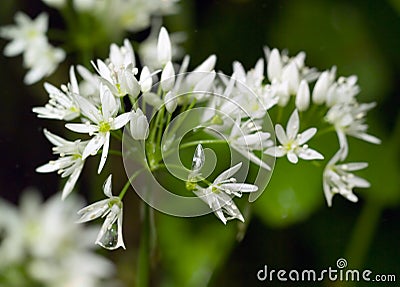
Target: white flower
(138,124)
(337,178)
(343,91)
(292,143)
(42,60)
(61,105)
(43,241)
(26,34)
(110,235)
(219,194)
(349,119)
(248,136)
(103,121)
(171,102)
(118,71)
(69,164)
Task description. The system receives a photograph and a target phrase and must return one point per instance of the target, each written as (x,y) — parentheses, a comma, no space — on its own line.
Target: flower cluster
(41,245)
(29,38)
(114,18)
(121,95)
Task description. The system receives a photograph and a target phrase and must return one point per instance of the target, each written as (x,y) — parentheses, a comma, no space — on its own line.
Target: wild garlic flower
(246,137)
(70,162)
(42,241)
(102,121)
(292,143)
(29,37)
(349,119)
(118,71)
(26,34)
(337,178)
(110,235)
(62,104)
(218,195)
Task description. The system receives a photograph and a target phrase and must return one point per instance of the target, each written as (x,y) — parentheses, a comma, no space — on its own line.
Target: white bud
(321,88)
(204,85)
(170,102)
(291,75)
(139,127)
(168,77)
(303,96)
(274,68)
(129,84)
(163,47)
(145,80)
(198,73)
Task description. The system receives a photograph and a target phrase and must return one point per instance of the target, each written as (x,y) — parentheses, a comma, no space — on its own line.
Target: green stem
(128,182)
(143,267)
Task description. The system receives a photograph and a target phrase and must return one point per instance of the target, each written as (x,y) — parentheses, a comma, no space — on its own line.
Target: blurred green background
(287,228)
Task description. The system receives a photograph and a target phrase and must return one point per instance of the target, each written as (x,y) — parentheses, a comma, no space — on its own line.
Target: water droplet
(109,240)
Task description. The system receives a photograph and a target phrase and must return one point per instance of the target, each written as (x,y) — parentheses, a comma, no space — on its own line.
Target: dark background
(359,37)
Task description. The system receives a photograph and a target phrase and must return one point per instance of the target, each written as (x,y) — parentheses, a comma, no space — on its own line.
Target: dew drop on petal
(109,240)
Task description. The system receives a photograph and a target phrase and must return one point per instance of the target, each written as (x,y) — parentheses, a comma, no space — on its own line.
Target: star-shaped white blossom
(292,144)
(218,195)
(110,235)
(245,137)
(103,121)
(62,105)
(118,71)
(337,178)
(69,164)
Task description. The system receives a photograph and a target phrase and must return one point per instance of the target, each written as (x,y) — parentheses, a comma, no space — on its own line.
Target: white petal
(293,125)
(120,121)
(275,151)
(309,154)
(306,135)
(93,146)
(292,157)
(353,166)
(104,153)
(93,211)
(107,186)
(82,128)
(228,173)
(241,187)
(69,185)
(280,134)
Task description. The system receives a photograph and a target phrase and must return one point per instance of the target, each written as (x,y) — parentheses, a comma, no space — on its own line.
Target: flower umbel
(110,235)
